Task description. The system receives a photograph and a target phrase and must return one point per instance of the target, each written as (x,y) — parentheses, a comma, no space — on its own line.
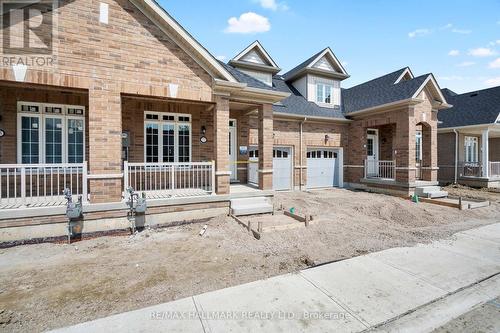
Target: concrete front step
(431,192)
(251,206)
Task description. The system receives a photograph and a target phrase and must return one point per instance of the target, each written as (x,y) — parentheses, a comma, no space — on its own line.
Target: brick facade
(121,69)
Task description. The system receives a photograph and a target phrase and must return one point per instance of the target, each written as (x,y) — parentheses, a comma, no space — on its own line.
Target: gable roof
(383,90)
(260,50)
(182,38)
(480,107)
(245,78)
(298,105)
(309,63)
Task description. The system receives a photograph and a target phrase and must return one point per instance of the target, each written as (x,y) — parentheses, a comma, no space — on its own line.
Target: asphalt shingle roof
(245,78)
(380,91)
(297,69)
(298,105)
(472,108)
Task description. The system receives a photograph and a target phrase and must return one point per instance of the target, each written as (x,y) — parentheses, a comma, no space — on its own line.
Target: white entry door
(372,153)
(233,167)
(253,165)
(322,168)
(282,168)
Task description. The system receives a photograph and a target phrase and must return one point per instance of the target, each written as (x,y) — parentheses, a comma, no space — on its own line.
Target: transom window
(324,93)
(471,149)
(50,133)
(167,137)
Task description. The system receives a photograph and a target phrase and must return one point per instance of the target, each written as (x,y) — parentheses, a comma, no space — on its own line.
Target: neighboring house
(135,101)
(469,138)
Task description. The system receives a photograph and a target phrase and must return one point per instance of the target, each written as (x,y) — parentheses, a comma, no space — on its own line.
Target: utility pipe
(456,155)
(301,154)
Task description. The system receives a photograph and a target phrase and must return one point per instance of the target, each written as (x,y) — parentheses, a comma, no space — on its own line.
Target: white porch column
(485,153)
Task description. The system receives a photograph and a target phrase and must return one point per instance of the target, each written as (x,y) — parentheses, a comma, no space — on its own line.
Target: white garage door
(282,168)
(322,168)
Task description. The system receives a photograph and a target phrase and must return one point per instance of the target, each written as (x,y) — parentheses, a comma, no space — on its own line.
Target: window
(471,149)
(418,147)
(369,147)
(167,138)
(50,133)
(30,138)
(324,93)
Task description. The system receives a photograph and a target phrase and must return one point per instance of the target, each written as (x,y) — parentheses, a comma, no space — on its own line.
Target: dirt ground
(491,194)
(47,286)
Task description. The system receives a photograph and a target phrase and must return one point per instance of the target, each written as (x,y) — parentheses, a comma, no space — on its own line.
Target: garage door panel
(322,168)
(282,168)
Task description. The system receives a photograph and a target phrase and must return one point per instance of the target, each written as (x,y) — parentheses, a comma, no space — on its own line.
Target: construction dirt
(47,286)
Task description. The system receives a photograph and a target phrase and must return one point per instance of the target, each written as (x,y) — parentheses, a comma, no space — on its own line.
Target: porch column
(221,142)
(429,154)
(404,147)
(266,141)
(105,127)
(485,153)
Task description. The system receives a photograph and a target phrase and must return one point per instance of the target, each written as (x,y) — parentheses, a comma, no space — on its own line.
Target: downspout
(301,154)
(456,155)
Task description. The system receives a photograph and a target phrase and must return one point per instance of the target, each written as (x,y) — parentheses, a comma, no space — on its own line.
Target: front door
(418,155)
(253,165)
(372,153)
(233,167)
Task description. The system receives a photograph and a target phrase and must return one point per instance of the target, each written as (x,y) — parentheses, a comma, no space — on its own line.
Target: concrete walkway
(402,289)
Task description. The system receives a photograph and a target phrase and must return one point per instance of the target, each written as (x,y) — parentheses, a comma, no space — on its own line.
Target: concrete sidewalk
(402,289)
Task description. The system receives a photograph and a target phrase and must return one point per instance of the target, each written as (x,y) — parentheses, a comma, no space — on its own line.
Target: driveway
(412,289)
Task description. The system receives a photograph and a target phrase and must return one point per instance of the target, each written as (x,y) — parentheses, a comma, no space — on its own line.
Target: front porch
(169,149)
(397,159)
(479,157)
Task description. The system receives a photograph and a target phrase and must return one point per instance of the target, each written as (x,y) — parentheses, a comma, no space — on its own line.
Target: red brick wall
(287,133)
(446,157)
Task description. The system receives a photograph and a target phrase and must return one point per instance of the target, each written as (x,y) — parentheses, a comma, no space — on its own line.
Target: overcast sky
(458,41)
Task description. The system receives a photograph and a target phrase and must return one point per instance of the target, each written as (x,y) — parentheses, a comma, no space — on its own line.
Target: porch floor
(185,193)
(35,203)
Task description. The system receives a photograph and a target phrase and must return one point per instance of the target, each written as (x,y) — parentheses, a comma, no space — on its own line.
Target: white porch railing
(494,169)
(471,169)
(166,180)
(380,169)
(37,185)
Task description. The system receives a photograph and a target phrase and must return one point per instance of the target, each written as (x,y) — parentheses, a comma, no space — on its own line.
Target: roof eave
(467,127)
(316,71)
(405,102)
(305,118)
(259,67)
(242,91)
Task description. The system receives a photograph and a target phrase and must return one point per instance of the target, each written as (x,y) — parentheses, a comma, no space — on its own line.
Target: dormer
(318,79)
(256,62)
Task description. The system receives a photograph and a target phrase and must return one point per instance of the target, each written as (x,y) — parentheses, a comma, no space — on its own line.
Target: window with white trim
(167,137)
(471,146)
(418,146)
(324,93)
(50,133)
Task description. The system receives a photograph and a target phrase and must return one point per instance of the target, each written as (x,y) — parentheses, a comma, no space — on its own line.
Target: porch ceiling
(168,100)
(242,106)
